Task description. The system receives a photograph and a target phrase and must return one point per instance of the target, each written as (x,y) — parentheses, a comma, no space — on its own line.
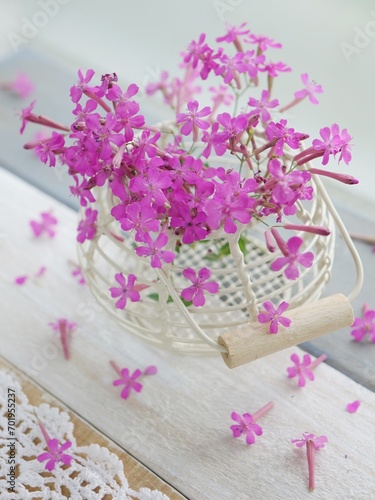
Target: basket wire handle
(308,321)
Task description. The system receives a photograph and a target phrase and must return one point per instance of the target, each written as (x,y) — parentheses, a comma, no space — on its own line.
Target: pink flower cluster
(168,192)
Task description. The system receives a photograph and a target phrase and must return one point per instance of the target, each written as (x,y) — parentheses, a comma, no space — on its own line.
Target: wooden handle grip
(308,322)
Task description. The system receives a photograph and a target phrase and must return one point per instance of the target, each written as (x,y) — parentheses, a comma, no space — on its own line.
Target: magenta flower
(312,443)
(264,42)
(279,134)
(141,218)
(365,325)
(353,407)
(56,453)
(127,290)
(153,249)
(233,32)
(330,143)
(87,226)
(273,316)
(44,226)
(246,424)
(82,191)
(292,258)
(131,382)
(303,369)
(193,119)
(65,328)
(200,285)
(21,86)
(82,85)
(49,148)
(311,88)
(77,273)
(262,106)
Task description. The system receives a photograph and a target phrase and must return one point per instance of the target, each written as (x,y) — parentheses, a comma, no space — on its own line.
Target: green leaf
(155,296)
(187,303)
(242,244)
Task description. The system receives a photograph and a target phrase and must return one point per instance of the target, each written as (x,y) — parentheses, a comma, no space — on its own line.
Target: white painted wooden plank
(178,426)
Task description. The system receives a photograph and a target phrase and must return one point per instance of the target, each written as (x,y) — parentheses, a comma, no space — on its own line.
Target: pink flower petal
(353,407)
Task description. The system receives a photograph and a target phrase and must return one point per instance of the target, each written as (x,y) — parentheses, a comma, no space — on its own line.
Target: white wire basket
(245,282)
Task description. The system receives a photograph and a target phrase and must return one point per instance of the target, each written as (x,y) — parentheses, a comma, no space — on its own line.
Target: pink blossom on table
(82,191)
(87,227)
(49,148)
(200,285)
(154,250)
(245,426)
(353,407)
(55,452)
(131,381)
(77,273)
(279,134)
(21,85)
(21,280)
(311,88)
(292,258)
(273,316)
(262,105)
(303,369)
(246,423)
(319,442)
(65,328)
(127,290)
(312,444)
(365,325)
(263,42)
(45,226)
(192,120)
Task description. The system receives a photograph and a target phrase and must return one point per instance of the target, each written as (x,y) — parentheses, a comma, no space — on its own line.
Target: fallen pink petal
(55,453)
(46,225)
(245,424)
(21,280)
(353,407)
(65,328)
(312,444)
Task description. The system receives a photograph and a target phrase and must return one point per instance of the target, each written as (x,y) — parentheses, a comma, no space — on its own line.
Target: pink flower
(353,407)
(263,42)
(82,85)
(21,86)
(56,453)
(262,106)
(310,89)
(303,369)
(246,424)
(87,226)
(273,316)
(365,325)
(127,290)
(131,382)
(292,258)
(200,285)
(45,226)
(153,249)
(279,134)
(312,443)
(330,143)
(193,119)
(233,32)
(65,328)
(49,148)
(77,272)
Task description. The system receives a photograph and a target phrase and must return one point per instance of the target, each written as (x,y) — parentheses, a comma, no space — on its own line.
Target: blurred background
(334,42)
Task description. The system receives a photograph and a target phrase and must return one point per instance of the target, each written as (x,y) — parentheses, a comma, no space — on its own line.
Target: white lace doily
(94,471)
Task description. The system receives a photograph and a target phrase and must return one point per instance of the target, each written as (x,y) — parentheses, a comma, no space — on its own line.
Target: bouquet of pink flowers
(218,165)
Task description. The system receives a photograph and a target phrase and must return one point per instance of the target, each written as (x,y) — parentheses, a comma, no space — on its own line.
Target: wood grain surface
(178,426)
